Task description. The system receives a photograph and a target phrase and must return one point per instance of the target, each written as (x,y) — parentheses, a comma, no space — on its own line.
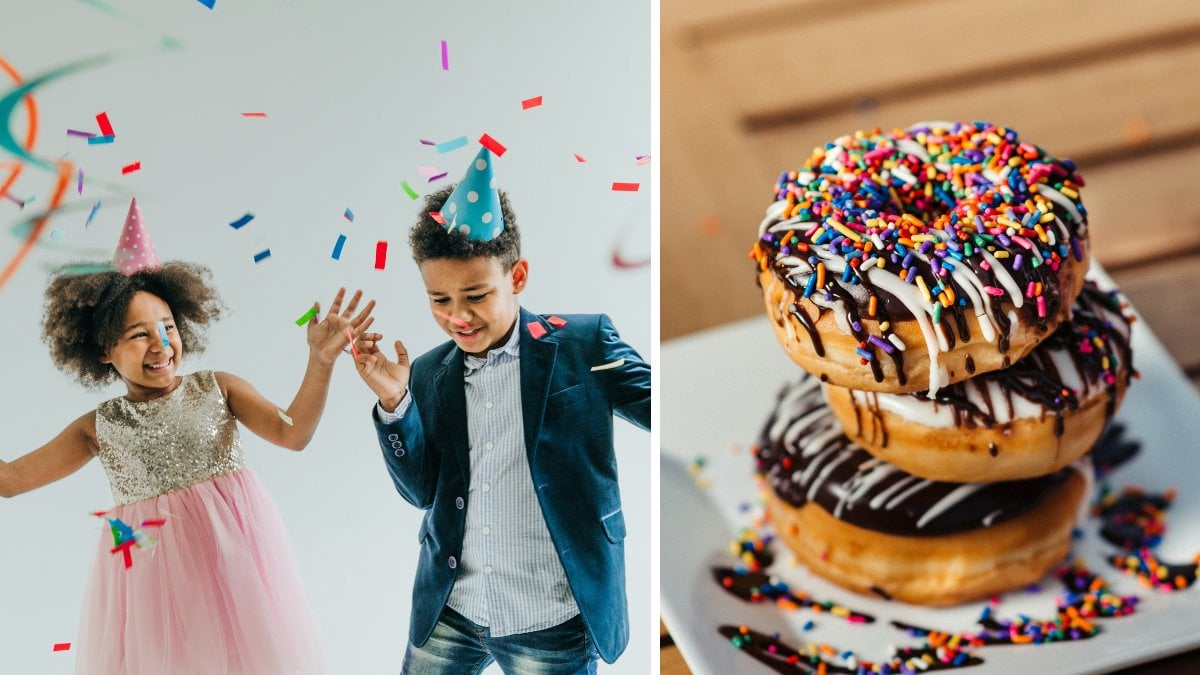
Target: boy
(505,438)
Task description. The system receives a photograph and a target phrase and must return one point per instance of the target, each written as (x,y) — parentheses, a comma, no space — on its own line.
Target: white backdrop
(349,89)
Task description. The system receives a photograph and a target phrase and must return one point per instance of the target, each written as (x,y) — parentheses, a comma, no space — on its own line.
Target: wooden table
(749,88)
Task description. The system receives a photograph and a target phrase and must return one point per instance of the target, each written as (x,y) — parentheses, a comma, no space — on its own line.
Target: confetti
(283,416)
(208,3)
(254,114)
(154,522)
(241,222)
(447,146)
(445,56)
(439,176)
(99,140)
(92,214)
(408,189)
(105,127)
(493,145)
(85,134)
(130,168)
(625,187)
(337,247)
(534,102)
(642,160)
(380,255)
(536,330)
(80,181)
(349,215)
(425,142)
(62,646)
(458,322)
(621,263)
(259,257)
(426,170)
(557,321)
(437,217)
(353,347)
(308,316)
(609,366)
(579,159)
(162,332)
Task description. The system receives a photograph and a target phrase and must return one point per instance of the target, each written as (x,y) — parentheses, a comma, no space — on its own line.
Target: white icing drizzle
(1060,199)
(955,496)
(908,493)
(911,298)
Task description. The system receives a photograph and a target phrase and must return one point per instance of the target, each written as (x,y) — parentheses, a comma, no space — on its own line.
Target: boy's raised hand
(335,331)
(389,380)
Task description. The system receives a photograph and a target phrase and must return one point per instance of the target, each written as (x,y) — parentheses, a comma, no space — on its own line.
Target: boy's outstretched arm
(629,383)
(294,428)
(411,461)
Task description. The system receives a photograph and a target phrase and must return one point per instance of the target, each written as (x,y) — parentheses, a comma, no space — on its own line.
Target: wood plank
(673,663)
(1164,294)
(789,64)
(686,18)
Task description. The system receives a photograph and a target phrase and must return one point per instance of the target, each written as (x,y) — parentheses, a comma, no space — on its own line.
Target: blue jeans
(458,645)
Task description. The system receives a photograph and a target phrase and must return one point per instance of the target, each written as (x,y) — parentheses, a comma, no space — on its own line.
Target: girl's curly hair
(85,313)
(429,239)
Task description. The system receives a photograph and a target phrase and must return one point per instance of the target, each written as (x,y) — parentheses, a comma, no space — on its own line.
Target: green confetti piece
(312,311)
(409,190)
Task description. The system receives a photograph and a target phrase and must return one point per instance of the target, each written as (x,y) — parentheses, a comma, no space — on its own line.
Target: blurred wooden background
(750,88)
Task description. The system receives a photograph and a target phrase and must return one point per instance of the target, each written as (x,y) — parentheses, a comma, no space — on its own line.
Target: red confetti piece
(353,347)
(536,330)
(62,646)
(380,255)
(254,114)
(557,321)
(621,263)
(534,102)
(105,127)
(493,145)
(154,522)
(625,187)
(124,549)
(99,514)
(131,168)
(579,159)
(437,216)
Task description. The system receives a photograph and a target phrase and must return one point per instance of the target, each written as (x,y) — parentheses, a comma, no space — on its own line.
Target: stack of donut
(959,366)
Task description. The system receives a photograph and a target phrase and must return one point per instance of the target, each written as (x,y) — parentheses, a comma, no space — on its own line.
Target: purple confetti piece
(76,132)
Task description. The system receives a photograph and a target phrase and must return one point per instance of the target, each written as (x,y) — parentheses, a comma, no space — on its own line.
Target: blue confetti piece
(162,332)
(208,3)
(241,222)
(259,257)
(92,214)
(337,248)
(349,214)
(455,144)
(99,140)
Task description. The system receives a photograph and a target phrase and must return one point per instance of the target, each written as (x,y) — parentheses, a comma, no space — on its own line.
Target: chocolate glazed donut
(909,260)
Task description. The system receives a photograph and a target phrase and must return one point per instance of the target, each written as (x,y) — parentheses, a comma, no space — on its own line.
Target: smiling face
(474,300)
(146,365)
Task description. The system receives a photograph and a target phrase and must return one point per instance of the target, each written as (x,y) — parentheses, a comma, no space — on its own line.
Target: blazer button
(393,437)
(458,501)
(453,563)
(397,445)
(399,452)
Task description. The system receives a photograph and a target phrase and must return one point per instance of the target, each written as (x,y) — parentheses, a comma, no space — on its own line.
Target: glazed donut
(909,260)
(1033,418)
(866,525)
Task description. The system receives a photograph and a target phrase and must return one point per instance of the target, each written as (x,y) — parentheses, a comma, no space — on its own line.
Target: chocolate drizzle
(805,457)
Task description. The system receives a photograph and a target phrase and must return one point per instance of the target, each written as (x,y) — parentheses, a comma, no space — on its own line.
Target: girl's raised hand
(337,329)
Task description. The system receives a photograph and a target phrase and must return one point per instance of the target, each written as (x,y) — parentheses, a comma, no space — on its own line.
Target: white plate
(719,387)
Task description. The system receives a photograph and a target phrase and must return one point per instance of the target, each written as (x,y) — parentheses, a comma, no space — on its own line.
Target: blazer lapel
(537,365)
(452,398)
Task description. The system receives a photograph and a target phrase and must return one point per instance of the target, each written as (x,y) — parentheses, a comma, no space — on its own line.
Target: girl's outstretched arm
(293,428)
(65,454)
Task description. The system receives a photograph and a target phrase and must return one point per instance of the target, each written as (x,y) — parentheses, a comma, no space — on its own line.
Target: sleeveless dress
(218,593)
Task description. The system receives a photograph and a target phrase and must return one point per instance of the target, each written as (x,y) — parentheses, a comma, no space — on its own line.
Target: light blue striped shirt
(509,576)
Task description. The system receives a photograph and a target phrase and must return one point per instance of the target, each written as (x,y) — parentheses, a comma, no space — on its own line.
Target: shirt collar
(511,347)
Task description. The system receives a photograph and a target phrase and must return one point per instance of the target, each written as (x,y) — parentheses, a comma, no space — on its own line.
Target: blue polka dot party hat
(473,208)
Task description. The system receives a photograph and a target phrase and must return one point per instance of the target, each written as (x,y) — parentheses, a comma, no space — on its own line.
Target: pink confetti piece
(492,144)
(536,330)
(625,187)
(621,263)
(353,347)
(458,322)
(130,168)
(84,134)
(437,217)
(579,159)
(557,321)
(445,56)
(642,160)
(534,102)
(427,170)
(254,114)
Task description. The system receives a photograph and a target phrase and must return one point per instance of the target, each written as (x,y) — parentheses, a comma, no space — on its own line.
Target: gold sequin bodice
(149,448)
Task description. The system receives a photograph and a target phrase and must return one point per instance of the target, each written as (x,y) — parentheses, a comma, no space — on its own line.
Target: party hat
(473,208)
(135,251)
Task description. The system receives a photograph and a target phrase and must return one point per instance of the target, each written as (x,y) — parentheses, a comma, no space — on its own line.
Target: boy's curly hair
(85,314)
(429,239)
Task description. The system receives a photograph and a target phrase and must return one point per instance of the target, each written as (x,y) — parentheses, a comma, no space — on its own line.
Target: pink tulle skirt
(218,593)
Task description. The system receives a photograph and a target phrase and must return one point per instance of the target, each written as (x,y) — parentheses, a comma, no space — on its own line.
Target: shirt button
(452,562)
(487,487)
(487,570)
(458,501)
(488,446)
(488,404)
(487,530)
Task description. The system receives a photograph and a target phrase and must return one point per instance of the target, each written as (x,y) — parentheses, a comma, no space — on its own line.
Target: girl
(219,592)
